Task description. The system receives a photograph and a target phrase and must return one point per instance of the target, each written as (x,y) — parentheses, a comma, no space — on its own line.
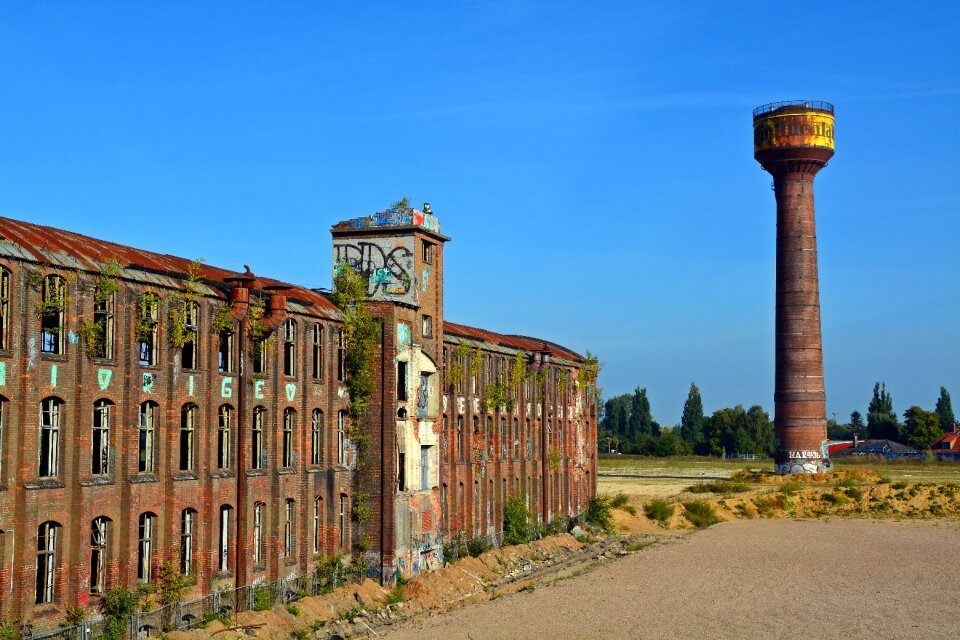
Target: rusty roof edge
(461,331)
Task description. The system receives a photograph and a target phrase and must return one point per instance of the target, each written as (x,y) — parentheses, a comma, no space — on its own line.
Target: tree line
(627,425)
(919,429)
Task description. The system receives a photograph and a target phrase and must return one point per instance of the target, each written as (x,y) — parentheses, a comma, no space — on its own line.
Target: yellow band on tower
(793,129)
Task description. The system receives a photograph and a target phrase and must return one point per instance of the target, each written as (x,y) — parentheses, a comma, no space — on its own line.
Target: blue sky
(591,161)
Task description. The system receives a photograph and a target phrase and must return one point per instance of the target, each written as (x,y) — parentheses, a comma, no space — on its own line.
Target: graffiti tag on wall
(387,264)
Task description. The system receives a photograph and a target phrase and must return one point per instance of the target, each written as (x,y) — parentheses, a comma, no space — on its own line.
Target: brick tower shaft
(793,141)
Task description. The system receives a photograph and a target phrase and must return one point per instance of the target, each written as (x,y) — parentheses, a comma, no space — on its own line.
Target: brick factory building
(153,409)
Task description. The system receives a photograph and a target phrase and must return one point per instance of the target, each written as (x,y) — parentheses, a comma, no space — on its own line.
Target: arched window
(341,437)
(148,327)
(100,456)
(145,535)
(224,424)
(51,310)
(316,431)
(188,418)
(289,528)
(317,519)
(99,530)
(47,540)
(258,524)
(50,417)
(145,446)
(289,420)
(256,443)
(290,347)
(188,519)
(4,308)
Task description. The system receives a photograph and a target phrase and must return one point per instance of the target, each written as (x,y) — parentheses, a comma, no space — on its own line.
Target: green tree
(857,427)
(691,423)
(640,420)
(837,431)
(920,428)
(881,420)
(734,430)
(945,410)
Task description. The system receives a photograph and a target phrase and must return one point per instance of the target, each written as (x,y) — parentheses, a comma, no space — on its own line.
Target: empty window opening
(424,468)
(316,435)
(191,321)
(401,471)
(147,329)
(401,380)
(341,357)
(226,513)
(427,252)
(427,327)
(187,521)
(341,437)
(423,396)
(317,519)
(4,308)
(100,456)
(225,352)
(289,528)
(258,532)
(51,308)
(343,521)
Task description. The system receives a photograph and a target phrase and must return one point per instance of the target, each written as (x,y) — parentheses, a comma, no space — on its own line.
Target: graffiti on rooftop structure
(387,263)
(398,218)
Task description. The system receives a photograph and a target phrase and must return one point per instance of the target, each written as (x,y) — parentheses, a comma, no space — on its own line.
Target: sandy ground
(743,579)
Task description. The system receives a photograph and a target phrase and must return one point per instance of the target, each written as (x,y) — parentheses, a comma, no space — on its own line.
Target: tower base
(797,462)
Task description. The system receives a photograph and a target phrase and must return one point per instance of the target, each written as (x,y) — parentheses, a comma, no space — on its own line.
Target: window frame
(317,351)
(316,437)
(188,438)
(257,460)
(104,310)
(100,434)
(48,446)
(4,308)
(99,547)
(148,313)
(146,527)
(47,542)
(224,437)
(287,457)
(147,437)
(51,338)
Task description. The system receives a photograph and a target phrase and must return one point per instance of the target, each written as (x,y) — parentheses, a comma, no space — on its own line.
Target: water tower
(793,141)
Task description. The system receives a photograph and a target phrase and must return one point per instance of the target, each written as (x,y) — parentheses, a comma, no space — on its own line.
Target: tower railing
(820,105)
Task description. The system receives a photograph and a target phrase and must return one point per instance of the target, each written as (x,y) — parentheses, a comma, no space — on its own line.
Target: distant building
(881,449)
(947,447)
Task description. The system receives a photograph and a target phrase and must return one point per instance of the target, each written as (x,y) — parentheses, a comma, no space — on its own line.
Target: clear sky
(591,161)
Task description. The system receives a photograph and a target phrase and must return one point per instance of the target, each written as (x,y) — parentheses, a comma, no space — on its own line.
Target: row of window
(496,369)
(101,337)
(49,535)
(101,458)
(508,444)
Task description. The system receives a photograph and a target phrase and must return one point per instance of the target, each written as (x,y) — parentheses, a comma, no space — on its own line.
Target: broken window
(256,444)
(47,535)
(3,407)
(103,307)
(225,352)
(289,418)
(4,308)
(187,519)
(289,347)
(260,355)
(401,380)
(427,252)
(52,307)
(145,446)
(148,325)
(341,357)
(477,506)
(459,438)
(225,422)
(427,327)
(515,437)
(258,532)
(100,457)
(289,540)
(316,431)
(188,416)
(401,471)
(145,531)
(503,437)
(98,555)
(318,351)
(424,468)
(50,414)
(343,521)
(191,319)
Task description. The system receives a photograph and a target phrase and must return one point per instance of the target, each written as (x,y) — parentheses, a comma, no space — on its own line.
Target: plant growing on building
(179,334)
(74,617)
(555,458)
(52,301)
(107,282)
(458,366)
(516,521)
(117,606)
(222,319)
(329,572)
(476,362)
(145,323)
(264,596)
(94,335)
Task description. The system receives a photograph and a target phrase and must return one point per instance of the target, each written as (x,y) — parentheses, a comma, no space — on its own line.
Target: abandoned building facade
(155,411)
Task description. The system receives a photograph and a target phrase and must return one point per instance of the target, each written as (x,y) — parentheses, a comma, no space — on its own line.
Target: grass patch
(600,510)
(700,514)
(789,488)
(659,510)
(638,545)
(395,596)
(720,486)
(769,505)
(294,609)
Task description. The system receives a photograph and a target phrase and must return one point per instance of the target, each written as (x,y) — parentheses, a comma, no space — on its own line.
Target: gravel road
(743,579)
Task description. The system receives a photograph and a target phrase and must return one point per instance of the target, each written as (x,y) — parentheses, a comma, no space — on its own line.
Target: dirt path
(837,579)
